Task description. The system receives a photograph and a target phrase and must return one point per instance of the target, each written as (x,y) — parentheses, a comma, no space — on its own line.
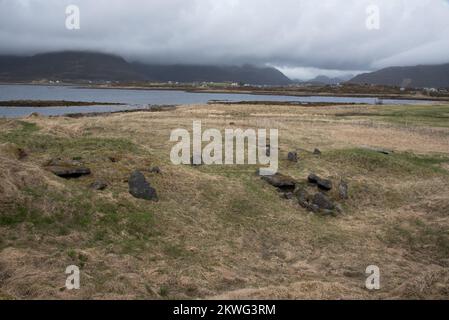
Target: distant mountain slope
(325,80)
(418,76)
(195,73)
(67,66)
(98,66)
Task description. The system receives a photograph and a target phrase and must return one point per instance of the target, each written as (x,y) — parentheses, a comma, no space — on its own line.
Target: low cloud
(302,37)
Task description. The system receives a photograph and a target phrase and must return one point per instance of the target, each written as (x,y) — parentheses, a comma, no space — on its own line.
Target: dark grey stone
(304,199)
(99,185)
(292,156)
(284,183)
(67,169)
(324,184)
(140,188)
(313,178)
(323,202)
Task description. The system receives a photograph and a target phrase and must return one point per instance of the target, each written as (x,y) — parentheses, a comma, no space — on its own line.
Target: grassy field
(220,231)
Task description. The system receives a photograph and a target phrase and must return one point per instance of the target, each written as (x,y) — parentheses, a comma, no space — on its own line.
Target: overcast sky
(303,38)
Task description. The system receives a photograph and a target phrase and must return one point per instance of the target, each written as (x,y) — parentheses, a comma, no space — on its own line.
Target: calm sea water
(136,99)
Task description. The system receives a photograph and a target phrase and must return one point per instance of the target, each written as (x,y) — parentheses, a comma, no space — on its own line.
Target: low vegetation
(220,231)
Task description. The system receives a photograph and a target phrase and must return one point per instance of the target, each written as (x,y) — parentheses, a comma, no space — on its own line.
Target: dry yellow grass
(221,232)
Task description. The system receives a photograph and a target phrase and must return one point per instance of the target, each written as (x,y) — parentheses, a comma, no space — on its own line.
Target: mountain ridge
(418,76)
(80,65)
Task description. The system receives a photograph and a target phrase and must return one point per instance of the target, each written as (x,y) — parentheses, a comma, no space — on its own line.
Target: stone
(343,190)
(323,202)
(69,172)
(324,184)
(317,152)
(67,169)
(99,185)
(282,182)
(292,156)
(304,198)
(156,170)
(140,188)
(313,178)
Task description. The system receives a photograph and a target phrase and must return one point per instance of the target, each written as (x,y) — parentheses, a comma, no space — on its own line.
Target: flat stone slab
(281,181)
(67,169)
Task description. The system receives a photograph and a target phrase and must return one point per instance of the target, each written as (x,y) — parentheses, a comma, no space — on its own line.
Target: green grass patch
(13,216)
(419,236)
(29,138)
(20,135)
(395,164)
(427,115)
(123,224)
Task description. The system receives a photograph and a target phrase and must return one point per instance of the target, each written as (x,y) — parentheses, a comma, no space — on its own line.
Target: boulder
(282,182)
(67,169)
(140,188)
(324,184)
(313,178)
(304,198)
(323,202)
(292,156)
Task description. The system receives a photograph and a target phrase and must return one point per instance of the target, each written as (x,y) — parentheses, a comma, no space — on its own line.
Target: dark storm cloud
(302,37)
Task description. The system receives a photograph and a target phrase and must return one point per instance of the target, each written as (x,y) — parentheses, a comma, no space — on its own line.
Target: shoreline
(273,91)
(53,103)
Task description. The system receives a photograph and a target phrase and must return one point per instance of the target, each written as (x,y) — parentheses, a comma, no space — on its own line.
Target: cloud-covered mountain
(98,66)
(436,76)
(288,34)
